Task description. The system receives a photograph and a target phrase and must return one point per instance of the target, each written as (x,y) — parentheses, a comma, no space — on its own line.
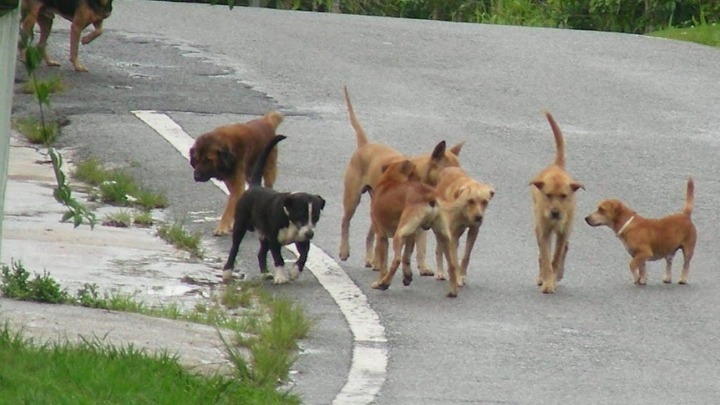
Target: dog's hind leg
(303,248)
(421,244)
(45,22)
(76,29)
(370,260)
(351,199)
(407,254)
(262,255)
(381,255)
(687,256)
(270,169)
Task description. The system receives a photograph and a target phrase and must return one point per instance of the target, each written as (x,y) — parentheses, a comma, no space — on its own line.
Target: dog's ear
(457,148)
(383,168)
(322,201)
(407,167)
(576,186)
(537,183)
(193,161)
(492,193)
(458,192)
(288,203)
(439,150)
(226,161)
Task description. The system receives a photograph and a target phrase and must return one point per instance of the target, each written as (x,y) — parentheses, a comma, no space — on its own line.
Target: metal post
(9,26)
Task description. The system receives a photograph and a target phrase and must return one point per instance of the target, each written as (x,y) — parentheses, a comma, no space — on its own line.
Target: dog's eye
(563,196)
(601,210)
(484,203)
(471,201)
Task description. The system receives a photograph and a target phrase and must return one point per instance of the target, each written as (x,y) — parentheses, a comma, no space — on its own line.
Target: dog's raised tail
(360,135)
(689,197)
(259,168)
(559,140)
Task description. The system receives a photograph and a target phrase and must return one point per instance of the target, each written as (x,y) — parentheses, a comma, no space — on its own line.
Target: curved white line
(370,354)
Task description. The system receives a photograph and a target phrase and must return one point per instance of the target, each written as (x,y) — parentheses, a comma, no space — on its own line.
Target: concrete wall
(9,24)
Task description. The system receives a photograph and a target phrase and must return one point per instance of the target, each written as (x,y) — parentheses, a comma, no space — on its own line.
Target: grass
(706,34)
(93,373)
(52,84)
(117,187)
(176,234)
(35,132)
(125,218)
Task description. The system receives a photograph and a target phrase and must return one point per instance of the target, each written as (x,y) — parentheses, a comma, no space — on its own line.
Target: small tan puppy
(364,169)
(553,194)
(463,202)
(651,239)
(401,207)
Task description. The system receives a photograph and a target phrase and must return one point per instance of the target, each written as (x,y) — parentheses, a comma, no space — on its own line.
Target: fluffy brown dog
(463,202)
(229,152)
(80,13)
(553,194)
(364,169)
(401,206)
(651,239)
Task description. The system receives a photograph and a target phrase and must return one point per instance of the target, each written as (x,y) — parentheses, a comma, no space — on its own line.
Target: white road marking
(368,368)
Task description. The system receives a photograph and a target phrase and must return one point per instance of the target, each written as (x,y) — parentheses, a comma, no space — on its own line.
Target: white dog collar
(622,229)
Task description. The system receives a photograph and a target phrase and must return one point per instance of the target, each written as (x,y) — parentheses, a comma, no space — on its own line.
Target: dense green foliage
(634,16)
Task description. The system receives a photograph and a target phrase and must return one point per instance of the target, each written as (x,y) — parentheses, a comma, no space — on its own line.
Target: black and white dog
(279,219)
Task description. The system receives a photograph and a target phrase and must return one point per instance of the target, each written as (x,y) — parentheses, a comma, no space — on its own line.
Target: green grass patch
(91,373)
(117,187)
(178,236)
(17,284)
(35,132)
(52,84)
(706,34)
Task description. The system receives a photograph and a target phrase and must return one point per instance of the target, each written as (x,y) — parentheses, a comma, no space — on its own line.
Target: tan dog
(463,202)
(80,13)
(364,169)
(553,194)
(401,206)
(228,153)
(651,239)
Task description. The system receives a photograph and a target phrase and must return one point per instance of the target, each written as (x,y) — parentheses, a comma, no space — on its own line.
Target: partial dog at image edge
(279,219)
(553,196)
(80,13)
(647,239)
(463,201)
(229,152)
(362,174)
(401,207)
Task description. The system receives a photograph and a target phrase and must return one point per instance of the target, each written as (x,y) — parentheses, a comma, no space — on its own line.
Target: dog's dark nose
(199,177)
(478,219)
(555,214)
(310,234)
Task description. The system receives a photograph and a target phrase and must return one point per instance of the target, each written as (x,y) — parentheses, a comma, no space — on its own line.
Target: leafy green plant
(35,132)
(16,283)
(53,84)
(62,193)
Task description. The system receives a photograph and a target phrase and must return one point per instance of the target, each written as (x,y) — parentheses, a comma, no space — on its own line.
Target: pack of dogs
(409,195)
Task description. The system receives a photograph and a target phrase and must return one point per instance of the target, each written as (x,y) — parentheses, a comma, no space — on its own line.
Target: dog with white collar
(279,219)
(648,239)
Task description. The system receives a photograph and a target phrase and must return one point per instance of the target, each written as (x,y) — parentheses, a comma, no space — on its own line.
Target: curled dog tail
(257,172)
(689,197)
(559,141)
(359,131)
(274,118)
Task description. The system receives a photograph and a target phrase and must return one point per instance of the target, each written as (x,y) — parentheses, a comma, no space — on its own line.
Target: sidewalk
(117,260)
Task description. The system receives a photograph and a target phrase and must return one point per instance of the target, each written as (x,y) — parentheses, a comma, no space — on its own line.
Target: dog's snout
(200,177)
(555,214)
(478,218)
(309,234)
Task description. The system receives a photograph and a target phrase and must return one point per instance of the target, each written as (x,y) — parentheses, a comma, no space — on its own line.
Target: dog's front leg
(546,276)
(450,250)
(236,189)
(469,244)
(561,248)
(279,276)
(303,248)
(238,236)
(262,255)
(637,267)
(76,29)
(94,34)
(421,244)
(406,256)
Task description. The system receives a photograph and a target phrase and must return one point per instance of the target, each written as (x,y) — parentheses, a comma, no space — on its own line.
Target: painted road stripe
(370,355)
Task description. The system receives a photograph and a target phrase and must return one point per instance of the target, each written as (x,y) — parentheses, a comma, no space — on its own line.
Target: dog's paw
(441,275)
(548,288)
(280,277)
(379,285)
(461,281)
(227,275)
(221,230)
(407,280)
(426,272)
(294,273)
(452,293)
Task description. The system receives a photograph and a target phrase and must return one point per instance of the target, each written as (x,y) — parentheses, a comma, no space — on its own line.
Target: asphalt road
(639,115)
